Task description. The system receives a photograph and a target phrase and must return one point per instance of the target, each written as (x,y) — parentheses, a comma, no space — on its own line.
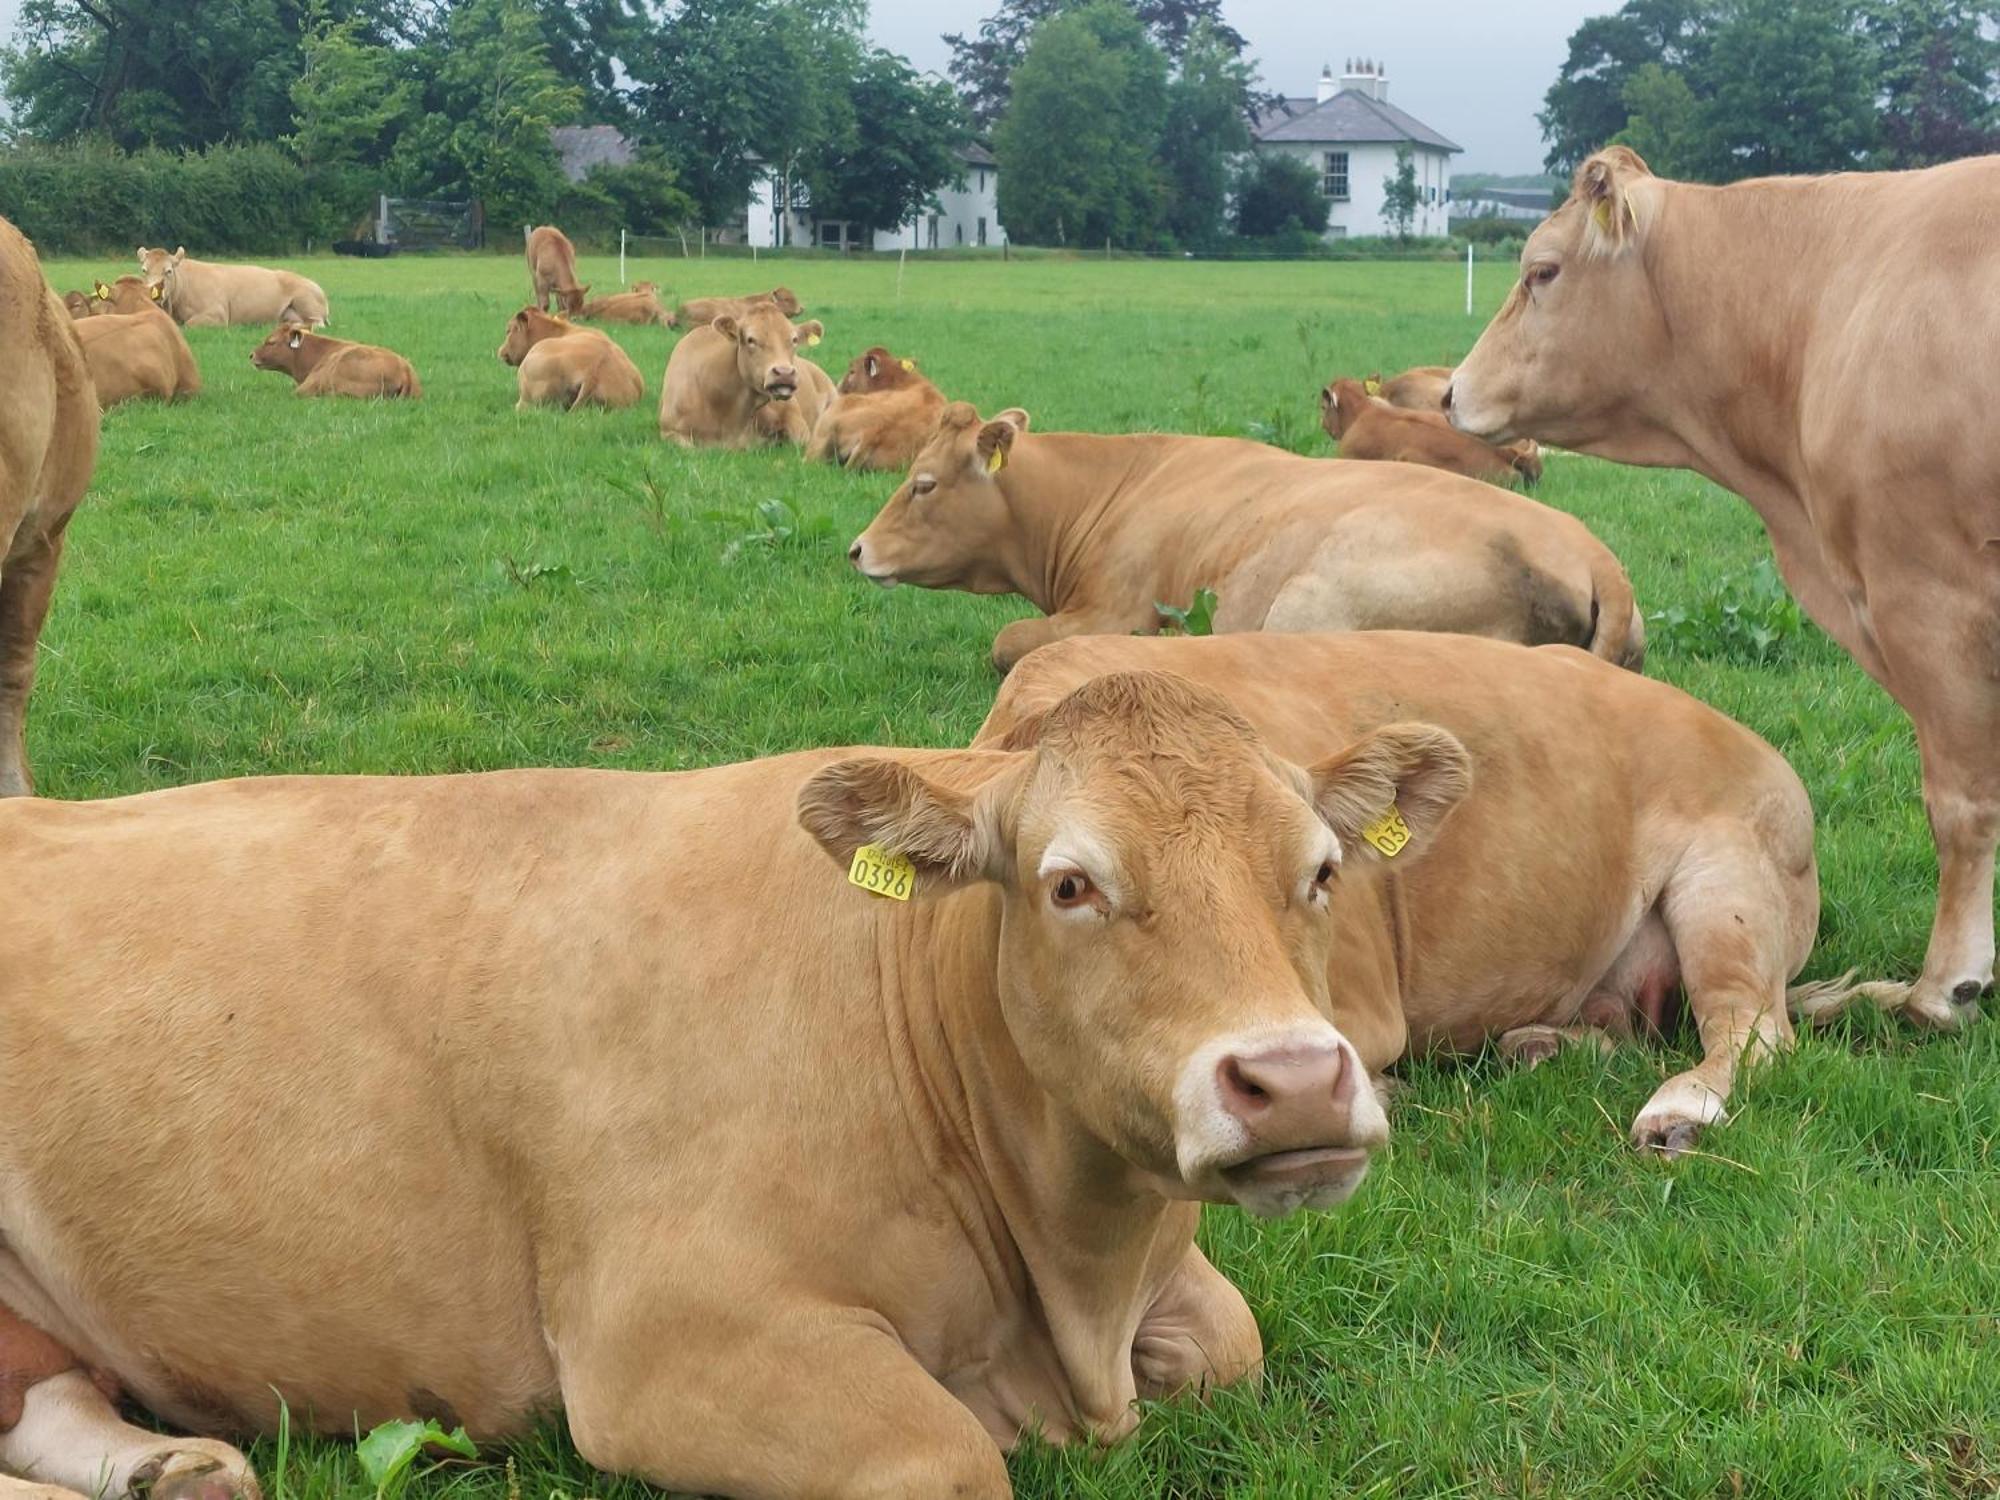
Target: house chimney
(1365,77)
(1327,87)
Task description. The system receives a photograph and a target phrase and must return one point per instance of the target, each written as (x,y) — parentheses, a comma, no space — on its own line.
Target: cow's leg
(70,1434)
(1531,1046)
(1198,1334)
(1740,927)
(1022,636)
(27,583)
(26,1489)
(1961,766)
(773,1402)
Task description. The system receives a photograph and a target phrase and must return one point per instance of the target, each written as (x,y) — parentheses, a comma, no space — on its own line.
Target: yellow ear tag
(1372,387)
(886,874)
(103,292)
(996,461)
(1388,834)
(154,292)
(811,339)
(909,364)
(1602,213)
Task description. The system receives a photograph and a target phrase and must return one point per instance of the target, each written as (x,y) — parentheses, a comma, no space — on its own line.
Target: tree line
(1715,90)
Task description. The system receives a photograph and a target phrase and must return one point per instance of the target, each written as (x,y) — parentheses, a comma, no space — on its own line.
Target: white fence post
(621,259)
(900,260)
(1468,278)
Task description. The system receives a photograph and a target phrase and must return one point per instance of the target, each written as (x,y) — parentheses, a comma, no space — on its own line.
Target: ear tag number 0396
(1388,834)
(884,873)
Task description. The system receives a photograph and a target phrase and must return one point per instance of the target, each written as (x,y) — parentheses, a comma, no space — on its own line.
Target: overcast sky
(1474,70)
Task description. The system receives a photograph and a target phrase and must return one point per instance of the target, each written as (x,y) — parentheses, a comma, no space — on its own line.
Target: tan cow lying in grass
(48,446)
(1621,840)
(320,366)
(740,381)
(128,294)
(1098,532)
(567,366)
(699,312)
(1370,429)
(1420,388)
(1750,332)
(592,1069)
(205,294)
(552,271)
(641,304)
(886,413)
(137,354)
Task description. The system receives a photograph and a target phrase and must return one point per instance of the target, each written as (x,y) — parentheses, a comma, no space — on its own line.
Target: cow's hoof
(1676,1115)
(1936,1009)
(1667,1138)
(197,1470)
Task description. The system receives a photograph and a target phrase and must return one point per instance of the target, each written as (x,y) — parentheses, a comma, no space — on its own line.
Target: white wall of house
(1371,167)
(968,214)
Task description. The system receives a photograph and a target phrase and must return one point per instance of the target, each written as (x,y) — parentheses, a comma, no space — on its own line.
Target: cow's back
(49,421)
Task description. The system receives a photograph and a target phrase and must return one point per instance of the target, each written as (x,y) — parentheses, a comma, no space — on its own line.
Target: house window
(1335,185)
(982,179)
(982,229)
(934,231)
(959,231)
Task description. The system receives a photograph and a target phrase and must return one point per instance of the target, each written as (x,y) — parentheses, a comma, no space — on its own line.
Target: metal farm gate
(430,224)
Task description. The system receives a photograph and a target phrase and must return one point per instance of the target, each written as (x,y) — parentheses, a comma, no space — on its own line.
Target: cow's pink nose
(783,373)
(1290,1097)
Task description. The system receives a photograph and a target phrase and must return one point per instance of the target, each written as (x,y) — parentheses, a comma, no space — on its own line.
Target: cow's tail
(412,387)
(1616,632)
(187,374)
(1823,999)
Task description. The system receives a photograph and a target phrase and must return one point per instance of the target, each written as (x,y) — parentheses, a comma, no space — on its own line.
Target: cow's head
(1164,937)
(157,265)
(525,329)
(766,345)
(878,370)
(280,349)
(569,299)
(1340,404)
(785,300)
(1581,331)
(949,525)
(78,304)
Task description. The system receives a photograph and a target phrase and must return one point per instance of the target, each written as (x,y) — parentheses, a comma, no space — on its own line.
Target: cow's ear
(725,325)
(996,439)
(180,253)
(874,367)
(1604,186)
(901,823)
(103,292)
(808,333)
(1387,794)
(155,292)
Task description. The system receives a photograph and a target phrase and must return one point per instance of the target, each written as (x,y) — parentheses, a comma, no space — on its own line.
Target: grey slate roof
(581,147)
(975,155)
(1349,116)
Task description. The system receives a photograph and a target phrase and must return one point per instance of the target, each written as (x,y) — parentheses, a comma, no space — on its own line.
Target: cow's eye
(752,343)
(1543,273)
(1071,890)
(1324,877)
(923,484)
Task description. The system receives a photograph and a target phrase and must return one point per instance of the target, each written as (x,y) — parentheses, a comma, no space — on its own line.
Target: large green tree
(1789,89)
(1280,195)
(983,63)
(1075,147)
(1586,107)
(1662,121)
(1937,67)
(1205,132)
(892,147)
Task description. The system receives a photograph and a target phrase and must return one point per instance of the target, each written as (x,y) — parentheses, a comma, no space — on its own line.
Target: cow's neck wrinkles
(1064,489)
(1073,1238)
(1735,371)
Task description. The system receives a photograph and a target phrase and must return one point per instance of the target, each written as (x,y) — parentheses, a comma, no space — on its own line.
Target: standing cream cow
(493,1094)
(48,445)
(209,294)
(1770,335)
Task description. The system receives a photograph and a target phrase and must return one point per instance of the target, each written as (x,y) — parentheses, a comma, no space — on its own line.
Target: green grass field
(1515,1304)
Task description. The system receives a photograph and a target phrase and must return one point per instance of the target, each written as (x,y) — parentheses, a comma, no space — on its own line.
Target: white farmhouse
(968,213)
(1349,133)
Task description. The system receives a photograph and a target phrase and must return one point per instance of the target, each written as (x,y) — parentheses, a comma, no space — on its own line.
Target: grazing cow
(886,412)
(1420,388)
(1099,532)
(48,446)
(639,305)
(1621,840)
(781,1188)
(701,311)
(137,354)
(1749,332)
(740,381)
(563,365)
(552,271)
(208,294)
(320,366)
(1367,428)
